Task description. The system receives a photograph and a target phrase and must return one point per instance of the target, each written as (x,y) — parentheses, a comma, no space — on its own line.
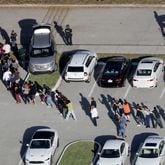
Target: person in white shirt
(6,78)
(94,115)
(6,48)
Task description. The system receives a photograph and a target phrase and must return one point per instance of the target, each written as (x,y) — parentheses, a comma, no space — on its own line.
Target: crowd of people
(141,113)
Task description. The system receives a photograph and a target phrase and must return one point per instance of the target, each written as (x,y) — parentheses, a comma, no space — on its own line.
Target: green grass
(82,1)
(80,153)
(51,79)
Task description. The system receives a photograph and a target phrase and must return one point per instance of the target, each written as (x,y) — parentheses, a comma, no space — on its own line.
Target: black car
(115,72)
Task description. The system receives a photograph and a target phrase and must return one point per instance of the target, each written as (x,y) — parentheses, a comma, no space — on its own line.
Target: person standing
(70,110)
(13,41)
(94,115)
(122,126)
(127,110)
(93,102)
(68,35)
(25,92)
(32,92)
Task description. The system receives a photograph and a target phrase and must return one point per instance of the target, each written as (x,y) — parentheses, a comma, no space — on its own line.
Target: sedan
(42,147)
(152,152)
(114,152)
(148,72)
(115,72)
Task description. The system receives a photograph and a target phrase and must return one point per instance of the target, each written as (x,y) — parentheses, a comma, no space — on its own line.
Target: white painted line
(94,85)
(91,91)
(20,162)
(162,93)
(127,91)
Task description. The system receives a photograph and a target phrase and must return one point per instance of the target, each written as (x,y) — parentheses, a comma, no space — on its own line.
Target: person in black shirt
(93,102)
(68,35)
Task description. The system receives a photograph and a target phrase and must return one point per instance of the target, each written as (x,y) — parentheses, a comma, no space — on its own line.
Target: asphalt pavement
(101,29)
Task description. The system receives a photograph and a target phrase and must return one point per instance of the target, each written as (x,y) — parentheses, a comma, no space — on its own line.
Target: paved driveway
(100,29)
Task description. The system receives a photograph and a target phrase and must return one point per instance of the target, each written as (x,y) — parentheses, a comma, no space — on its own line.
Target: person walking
(70,110)
(49,100)
(122,126)
(139,115)
(6,78)
(25,92)
(94,115)
(68,35)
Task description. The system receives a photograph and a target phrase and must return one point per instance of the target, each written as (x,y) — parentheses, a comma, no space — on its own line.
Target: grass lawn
(83,1)
(80,153)
(51,79)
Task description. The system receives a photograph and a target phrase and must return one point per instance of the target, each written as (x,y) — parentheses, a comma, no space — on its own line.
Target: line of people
(141,113)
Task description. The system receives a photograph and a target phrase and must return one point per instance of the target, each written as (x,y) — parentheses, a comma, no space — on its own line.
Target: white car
(80,66)
(42,147)
(152,152)
(148,72)
(114,152)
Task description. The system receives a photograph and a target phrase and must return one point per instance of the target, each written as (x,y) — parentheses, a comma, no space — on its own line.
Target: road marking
(162,93)
(127,91)
(93,87)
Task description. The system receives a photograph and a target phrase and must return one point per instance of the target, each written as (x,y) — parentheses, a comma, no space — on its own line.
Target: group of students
(142,114)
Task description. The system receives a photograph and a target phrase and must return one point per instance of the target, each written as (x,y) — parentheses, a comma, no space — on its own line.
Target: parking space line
(127,91)
(93,87)
(162,94)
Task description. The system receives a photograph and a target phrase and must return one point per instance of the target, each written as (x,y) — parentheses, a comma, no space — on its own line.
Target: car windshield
(144,72)
(75,69)
(149,153)
(110,153)
(44,144)
(112,69)
(44,52)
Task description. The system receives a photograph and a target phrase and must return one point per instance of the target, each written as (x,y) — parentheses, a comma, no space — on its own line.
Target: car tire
(58,143)
(89,79)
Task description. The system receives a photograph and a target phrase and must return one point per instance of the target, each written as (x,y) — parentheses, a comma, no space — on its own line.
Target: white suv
(80,66)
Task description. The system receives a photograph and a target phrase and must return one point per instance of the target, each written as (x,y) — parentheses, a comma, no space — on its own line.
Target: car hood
(41,60)
(109,161)
(147,161)
(38,154)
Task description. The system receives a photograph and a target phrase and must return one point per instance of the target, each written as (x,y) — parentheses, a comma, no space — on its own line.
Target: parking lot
(18,122)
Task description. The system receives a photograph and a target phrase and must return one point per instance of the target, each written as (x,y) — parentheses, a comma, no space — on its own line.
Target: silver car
(42,53)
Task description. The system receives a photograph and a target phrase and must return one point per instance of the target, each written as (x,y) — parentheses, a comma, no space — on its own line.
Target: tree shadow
(4,35)
(60,31)
(27,138)
(160,19)
(137,141)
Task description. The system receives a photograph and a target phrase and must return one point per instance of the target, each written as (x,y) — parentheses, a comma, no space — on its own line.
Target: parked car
(152,152)
(148,72)
(114,152)
(42,51)
(115,72)
(42,147)
(80,66)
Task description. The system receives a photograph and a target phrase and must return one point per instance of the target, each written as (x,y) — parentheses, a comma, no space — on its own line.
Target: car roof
(148,63)
(113,144)
(79,58)
(44,134)
(153,141)
(41,37)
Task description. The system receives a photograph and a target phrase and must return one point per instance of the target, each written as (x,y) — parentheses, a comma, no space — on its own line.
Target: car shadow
(27,138)
(137,141)
(26,26)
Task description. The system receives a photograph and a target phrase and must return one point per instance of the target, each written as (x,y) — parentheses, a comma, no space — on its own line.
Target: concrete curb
(84,6)
(66,147)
